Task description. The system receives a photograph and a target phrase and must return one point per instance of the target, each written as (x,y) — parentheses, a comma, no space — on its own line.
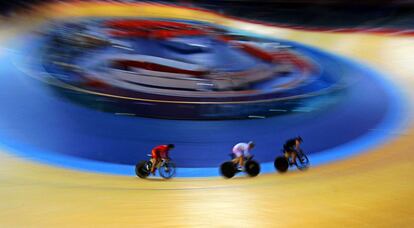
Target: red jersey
(160,151)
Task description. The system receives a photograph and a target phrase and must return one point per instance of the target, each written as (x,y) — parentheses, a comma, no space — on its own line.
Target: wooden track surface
(373,189)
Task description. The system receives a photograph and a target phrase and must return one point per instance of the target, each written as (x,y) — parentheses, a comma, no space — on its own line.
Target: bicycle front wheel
(167,170)
(302,161)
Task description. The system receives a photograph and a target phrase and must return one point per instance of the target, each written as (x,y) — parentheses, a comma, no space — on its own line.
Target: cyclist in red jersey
(158,153)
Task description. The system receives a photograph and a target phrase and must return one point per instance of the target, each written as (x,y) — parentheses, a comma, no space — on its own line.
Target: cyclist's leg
(294,155)
(286,153)
(238,158)
(154,161)
(241,161)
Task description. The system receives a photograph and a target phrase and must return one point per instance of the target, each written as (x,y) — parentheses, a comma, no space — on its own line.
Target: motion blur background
(373,188)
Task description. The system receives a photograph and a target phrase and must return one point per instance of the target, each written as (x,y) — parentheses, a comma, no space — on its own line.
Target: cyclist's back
(160,151)
(290,145)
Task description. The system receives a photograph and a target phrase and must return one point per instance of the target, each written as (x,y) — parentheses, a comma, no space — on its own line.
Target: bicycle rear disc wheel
(142,169)
(228,169)
(281,164)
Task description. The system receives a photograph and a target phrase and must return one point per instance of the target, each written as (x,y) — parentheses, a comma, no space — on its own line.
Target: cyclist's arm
(246,153)
(297,146)
(166,155)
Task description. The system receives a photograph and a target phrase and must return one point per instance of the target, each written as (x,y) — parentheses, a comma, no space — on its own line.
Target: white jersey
(241,149)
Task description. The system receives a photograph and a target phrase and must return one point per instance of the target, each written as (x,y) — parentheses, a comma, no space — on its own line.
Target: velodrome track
(373,188)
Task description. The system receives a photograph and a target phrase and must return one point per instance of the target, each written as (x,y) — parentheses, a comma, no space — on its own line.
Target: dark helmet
(251,144)
(299,139)
(171,146)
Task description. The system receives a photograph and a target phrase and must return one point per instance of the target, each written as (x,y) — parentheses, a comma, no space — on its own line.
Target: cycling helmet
(251,144)
(299,139)
(171,146)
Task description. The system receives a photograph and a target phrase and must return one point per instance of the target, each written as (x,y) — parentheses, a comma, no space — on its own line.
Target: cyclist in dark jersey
(291,148)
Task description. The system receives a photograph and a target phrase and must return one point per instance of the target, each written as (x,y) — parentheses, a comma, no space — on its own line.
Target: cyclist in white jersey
(242,151)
